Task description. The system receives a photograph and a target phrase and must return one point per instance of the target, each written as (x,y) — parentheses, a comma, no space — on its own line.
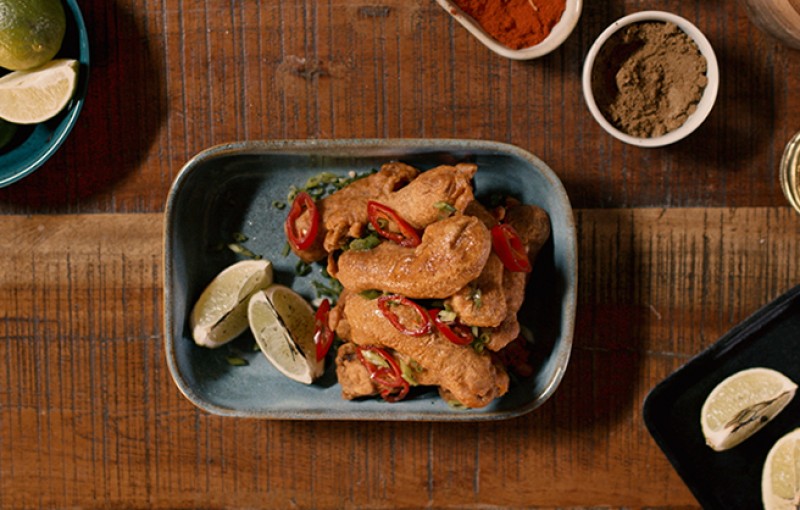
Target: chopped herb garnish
(239,237)
(286,250)
(293,191)
(241,250)
(302,268)
(333,289)
(455,404)
(409,371)
(370,294)
(476,297)
(365,243)
(445,207)
(236,361)
(278,204)
(479,344)
(447,316)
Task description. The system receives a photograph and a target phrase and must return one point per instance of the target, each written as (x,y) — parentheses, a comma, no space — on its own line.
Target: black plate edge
(737,333)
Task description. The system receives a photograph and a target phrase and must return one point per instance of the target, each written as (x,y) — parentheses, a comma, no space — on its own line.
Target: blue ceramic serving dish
(32,145)
(231,189)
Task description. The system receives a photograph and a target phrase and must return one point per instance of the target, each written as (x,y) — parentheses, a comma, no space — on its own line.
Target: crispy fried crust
(473,379)
(452,254)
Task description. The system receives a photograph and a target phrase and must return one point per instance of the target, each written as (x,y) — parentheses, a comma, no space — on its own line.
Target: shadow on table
(125,106)
(742,121)
(601,384)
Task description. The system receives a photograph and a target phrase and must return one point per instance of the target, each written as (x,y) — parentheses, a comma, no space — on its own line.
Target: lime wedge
(220,314)
(36,95)
(742,404)
(780,479)
(282,323)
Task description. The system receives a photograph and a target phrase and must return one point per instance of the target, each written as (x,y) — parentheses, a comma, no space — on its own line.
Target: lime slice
(31,32)
(743,403)
(30,97)
(282,322)
(220,314)
(780,479)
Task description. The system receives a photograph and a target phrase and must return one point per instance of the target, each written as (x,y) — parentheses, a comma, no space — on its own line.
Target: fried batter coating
(453,252)
(473,379)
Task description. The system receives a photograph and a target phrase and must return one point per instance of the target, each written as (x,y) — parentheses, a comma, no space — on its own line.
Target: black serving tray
(730,479)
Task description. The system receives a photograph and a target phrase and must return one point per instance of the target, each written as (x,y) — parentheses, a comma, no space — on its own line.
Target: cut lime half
(282,323)
(220,314)
(780,479)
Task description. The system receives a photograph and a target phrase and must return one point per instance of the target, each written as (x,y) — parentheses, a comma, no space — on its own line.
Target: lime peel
(32,32)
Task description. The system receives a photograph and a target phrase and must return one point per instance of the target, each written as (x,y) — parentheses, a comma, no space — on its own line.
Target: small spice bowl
(703,107)
(559,33)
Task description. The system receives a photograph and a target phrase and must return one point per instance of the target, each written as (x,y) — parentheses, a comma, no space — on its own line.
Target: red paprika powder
(515,23)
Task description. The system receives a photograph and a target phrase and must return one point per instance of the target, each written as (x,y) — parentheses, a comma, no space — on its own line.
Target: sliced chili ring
(385,304)
(389,379)
(407,236)
(508,246)
(456,332)
(302,240)
(323,335)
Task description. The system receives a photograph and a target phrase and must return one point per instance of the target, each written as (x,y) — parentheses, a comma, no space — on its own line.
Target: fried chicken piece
(343,214)
(482,302)
(532,223)
(413,196)
(473,379)
(453,252)
(353,377)
(417,202)
(500,293)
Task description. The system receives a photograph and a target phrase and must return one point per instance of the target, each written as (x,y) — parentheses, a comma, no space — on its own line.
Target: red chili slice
(456,332)
(323,335)
(508,246)
(302,240)
(389,379)
(385,304)
(407,236)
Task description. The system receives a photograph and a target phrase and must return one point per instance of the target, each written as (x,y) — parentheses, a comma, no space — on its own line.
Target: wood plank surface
(170,78)
(90,418)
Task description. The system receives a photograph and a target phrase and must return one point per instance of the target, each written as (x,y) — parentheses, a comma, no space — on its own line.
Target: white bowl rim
(706,103)
(561,31)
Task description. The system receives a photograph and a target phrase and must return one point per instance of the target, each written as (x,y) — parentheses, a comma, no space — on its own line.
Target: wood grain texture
(170,78)
(90,418)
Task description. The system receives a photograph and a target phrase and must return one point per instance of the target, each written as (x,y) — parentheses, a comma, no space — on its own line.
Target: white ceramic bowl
(558,35)
(703,107)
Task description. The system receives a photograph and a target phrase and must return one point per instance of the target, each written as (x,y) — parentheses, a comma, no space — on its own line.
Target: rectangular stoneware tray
(730,479)
(232,189)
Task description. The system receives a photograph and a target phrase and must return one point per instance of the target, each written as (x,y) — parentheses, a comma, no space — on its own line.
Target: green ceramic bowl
(232,188)
(32,145)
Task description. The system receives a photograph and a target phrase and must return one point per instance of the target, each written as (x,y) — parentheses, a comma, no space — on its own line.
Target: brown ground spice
(648,78)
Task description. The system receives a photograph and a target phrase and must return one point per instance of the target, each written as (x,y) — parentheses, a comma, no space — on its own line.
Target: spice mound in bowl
(650,79)
(517,29)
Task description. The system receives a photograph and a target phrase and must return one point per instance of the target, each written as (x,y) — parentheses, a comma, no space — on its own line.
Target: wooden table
(676,246)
